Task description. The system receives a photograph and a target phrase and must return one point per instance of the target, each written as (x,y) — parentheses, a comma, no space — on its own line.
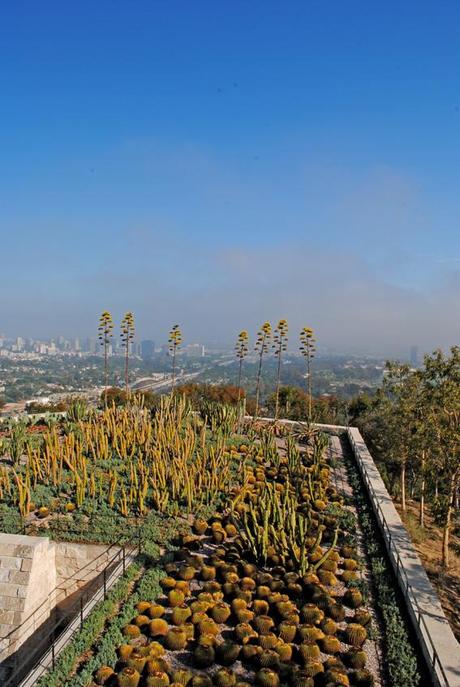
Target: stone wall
(39,577)
(28,578)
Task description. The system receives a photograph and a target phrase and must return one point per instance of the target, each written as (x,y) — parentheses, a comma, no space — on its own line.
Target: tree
(307,348)
(264,336)
(105,334)
(127,336)
(279,345)
(441,379)
(241,350)
(402,388)
(174,341)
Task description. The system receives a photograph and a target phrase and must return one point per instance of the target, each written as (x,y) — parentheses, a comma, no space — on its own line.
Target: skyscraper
(147,349)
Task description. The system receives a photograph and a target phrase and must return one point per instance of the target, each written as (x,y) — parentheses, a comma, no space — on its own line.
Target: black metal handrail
(48,643)
(399,569)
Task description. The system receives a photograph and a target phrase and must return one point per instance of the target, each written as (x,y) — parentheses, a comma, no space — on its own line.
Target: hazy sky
(219,163)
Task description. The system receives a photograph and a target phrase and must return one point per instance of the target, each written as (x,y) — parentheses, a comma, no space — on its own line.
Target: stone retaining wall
(36,577)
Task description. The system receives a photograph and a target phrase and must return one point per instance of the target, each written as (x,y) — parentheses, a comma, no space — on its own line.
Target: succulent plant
(124,651)
(250,652)
(225,678)
(244,632)
(244,615)
(103,675)
(155,610)
(155,650)
(176,598)
(309,651)
(143,606)
(204,656)
(362,616)
(129,677)
(263,624)
(158,627)
(353,598)
(167,582)
(156,679)
(199,526)
(313,668)
(335,676)
(176,638)
(355,658)
(349,576)
(156,665)
(141,620)
(330,645)
(303,679)
(284,651)
(267,678)
(201,681)
(260,606)
(208,627)
(227,653)
(349,564)
(187,572)
(269,659)
(328,626)
(362,678)
(136,660)
(183,586)
(312,614)
(347,551)
(310,633)
(131,631)
(268,640)
(181,675)
(180,614)
(220,612)
(287,630)
(336,611)
(327,578)
(355,634)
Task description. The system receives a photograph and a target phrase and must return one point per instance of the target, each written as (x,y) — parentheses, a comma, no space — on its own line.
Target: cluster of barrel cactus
(243,605)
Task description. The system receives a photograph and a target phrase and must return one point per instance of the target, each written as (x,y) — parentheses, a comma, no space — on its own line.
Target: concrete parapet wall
(437,641)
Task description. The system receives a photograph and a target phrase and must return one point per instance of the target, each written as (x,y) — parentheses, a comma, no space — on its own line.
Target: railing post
(81,611)
(124,560)
(105,582)
(52,654)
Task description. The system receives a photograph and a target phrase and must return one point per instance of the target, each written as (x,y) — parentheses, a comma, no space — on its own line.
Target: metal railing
(54,638)
(407,589)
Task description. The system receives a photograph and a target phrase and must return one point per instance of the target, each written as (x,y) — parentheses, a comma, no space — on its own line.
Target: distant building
(413,356)
(195,350)
(147,349)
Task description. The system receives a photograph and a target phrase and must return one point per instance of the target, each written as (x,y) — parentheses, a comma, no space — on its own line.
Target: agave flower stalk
(174,343)
(279,346)
(105,334)
(307,348)
(127,337)
(264,336)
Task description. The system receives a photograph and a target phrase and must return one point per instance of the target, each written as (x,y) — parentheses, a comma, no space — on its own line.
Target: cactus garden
(254,572)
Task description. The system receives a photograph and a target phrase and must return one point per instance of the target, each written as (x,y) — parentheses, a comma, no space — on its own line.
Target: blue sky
(217,164)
